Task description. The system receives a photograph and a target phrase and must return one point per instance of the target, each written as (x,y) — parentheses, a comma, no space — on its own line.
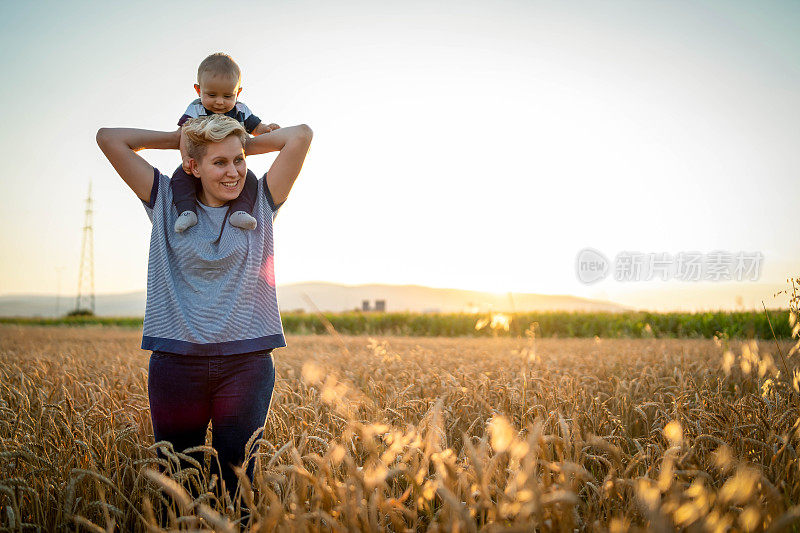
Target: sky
(472,145)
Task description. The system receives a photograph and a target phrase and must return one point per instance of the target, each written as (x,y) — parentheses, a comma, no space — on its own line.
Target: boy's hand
(262,128)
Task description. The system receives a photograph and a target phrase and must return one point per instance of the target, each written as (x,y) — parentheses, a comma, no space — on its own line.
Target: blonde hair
(202,131)
(219,64)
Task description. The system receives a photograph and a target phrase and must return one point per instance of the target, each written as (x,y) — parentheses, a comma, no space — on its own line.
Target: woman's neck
(202,197)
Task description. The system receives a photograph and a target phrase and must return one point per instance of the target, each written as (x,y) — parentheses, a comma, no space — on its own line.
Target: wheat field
(416,434)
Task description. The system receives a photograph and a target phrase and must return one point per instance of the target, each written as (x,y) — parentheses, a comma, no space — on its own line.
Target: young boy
(218,86)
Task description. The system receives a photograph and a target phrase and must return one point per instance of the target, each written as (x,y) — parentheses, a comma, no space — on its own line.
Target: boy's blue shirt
(240,112)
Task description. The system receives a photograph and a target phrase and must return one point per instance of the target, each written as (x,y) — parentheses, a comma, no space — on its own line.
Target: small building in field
(380,306)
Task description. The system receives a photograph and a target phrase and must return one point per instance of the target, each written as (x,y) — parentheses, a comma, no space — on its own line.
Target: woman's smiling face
(222,171)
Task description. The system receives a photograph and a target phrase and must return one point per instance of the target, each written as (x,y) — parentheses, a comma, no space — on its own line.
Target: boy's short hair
(219,64)
(202,131)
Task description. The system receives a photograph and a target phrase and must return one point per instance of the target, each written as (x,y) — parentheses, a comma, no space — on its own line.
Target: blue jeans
(232,391)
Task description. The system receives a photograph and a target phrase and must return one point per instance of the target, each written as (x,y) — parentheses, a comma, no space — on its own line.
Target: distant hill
(417,298)
(125,304)
(334,297)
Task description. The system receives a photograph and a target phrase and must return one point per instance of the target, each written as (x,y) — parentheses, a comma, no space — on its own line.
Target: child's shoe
(242,219)
(185,221)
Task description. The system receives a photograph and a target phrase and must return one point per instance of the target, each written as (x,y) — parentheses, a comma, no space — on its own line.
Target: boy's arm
(120,146)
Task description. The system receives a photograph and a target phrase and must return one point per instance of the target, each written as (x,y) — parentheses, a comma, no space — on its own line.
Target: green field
(746,324)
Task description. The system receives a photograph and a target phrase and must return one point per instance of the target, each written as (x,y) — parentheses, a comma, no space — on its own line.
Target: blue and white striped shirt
(211,289)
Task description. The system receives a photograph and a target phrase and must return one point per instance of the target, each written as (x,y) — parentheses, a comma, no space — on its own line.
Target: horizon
(771,300)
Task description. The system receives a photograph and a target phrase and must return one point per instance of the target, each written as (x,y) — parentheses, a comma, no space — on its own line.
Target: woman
(211,318)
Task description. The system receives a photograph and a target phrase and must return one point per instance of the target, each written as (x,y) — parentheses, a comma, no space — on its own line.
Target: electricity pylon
(85,300)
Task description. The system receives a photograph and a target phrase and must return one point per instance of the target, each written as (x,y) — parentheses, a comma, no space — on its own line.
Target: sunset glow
(471,145)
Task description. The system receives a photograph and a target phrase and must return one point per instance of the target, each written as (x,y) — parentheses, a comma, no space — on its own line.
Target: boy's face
(218,93)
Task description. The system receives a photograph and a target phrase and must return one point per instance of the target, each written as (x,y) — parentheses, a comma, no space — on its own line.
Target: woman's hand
(293,143)
(187,167)
(120,146)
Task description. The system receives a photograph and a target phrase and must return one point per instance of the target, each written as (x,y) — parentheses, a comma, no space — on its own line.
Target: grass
(744,324)
(414,434)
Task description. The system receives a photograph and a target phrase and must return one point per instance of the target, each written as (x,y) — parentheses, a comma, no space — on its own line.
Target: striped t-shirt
(240,112)
(210,289)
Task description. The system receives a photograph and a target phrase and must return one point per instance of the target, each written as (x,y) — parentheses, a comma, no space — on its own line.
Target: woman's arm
(293,143)
(120,146)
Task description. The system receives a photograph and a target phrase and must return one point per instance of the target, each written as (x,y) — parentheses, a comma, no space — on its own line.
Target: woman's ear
(194,167)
